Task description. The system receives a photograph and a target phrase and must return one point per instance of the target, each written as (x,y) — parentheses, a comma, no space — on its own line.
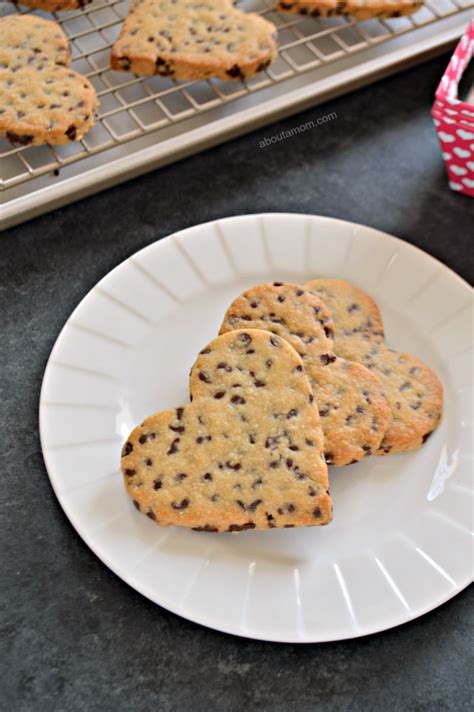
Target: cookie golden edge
(358,9)
(189,66)
(68,127)
(399,437)
(240,522)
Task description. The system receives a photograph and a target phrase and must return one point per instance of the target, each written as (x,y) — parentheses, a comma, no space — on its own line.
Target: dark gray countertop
(76,637)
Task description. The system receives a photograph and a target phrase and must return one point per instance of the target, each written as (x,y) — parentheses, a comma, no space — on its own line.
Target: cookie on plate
(41,99)
(53,5)
(187,39)
(360,9)
(353,409)
(413,390)
(246,453)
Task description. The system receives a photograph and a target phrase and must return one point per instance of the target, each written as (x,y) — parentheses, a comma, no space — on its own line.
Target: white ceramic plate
(400,541)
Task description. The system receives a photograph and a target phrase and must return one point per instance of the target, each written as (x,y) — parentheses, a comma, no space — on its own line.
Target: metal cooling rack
(147,122)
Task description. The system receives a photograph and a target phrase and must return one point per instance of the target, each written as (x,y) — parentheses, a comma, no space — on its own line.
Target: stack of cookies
(298,379)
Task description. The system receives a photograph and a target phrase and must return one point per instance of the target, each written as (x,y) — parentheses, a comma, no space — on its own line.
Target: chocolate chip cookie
(353,409)
(41,99)
(186,39)
(413,390)
(246,453)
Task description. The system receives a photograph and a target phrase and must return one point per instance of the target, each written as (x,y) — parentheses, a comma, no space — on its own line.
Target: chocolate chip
(71,132)
(317,514)
(23,140)
(324,412)
(174,447)
(329,457)
(205,528)
(207,476)
(311,491)
(179,413)
(142,439)
(268,363)
(241,527)
(219,395)
(275,341)
(151,514)
(257,482)
(252,440)
(309,442)
(329,332)
(177,428)
(360,409)
(127,449)
(130,473)
(148,462)
(136,504)
(235,72)
(426,436)
(352,308)
(157,484)
(270,520)
(203,376)
(299,292)
(207,350)
(233,466)
(238,400)
(225,366)
(327,358)
(181,505)
(180,476)
(245,338)
(292,413)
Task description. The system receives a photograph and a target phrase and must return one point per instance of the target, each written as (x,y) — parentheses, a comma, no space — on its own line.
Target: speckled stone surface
(74,637)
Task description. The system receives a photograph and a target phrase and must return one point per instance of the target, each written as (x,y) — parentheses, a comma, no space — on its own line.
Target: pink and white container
(454,119)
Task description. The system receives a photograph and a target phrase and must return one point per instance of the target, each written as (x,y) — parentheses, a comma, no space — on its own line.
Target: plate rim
(182,612)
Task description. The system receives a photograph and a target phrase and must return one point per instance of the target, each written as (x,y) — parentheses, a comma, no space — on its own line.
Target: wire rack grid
(132,106)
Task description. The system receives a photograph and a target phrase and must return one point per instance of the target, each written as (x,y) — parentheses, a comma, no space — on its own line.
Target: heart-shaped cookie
(360,9)
(41,99)
(193,39)
(247,453)
(413,390)
(354,412)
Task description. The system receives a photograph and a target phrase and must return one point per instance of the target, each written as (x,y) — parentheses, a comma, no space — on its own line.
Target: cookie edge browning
(181,67)
(323,502)
(68,130)
(397,439)
(381,407)
(332,8)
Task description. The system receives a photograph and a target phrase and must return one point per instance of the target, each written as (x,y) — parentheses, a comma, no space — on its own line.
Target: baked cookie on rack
(412,388)
(42,100)
(193,39)
(246,453)
(359,9)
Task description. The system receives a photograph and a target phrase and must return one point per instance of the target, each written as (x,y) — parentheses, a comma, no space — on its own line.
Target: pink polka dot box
(454,119)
